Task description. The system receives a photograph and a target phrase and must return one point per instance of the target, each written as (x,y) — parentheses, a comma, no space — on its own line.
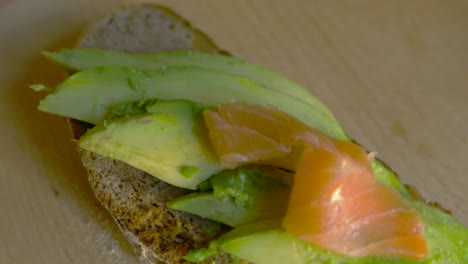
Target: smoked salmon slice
(335,202)
(241,133)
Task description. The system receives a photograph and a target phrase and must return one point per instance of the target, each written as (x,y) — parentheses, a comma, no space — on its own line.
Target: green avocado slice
(168,142)
(89,94)
(239,196)
(81,59)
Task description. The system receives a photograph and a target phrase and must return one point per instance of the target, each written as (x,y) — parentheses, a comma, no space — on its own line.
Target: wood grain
(393,72)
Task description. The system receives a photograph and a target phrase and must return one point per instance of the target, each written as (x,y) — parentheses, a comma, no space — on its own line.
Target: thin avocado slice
(239,196)
(277,246)
(168,142)
(81,59)
(209,206)
(88,95)
(202,254)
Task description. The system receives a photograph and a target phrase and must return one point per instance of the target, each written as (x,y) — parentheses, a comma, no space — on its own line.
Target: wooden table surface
(394,72)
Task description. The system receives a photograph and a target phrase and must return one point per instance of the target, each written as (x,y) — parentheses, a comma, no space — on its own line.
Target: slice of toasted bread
(135,199)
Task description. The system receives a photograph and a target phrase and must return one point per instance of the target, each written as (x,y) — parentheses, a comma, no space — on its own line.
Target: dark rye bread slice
(135,199)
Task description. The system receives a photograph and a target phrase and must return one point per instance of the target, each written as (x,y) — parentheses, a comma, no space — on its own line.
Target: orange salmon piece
(335,202)
(241,133)
(412,247)
(236,145)
(363,237)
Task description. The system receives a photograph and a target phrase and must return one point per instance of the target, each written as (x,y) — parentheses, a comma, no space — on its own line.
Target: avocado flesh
(168,143)
(225,211)
(265,242)
(239,196)
(88,95)
(81,59)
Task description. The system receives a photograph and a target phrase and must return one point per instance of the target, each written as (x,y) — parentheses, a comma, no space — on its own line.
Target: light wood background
(394,72)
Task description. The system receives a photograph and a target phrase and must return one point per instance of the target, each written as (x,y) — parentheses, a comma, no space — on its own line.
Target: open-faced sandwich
(203,157)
